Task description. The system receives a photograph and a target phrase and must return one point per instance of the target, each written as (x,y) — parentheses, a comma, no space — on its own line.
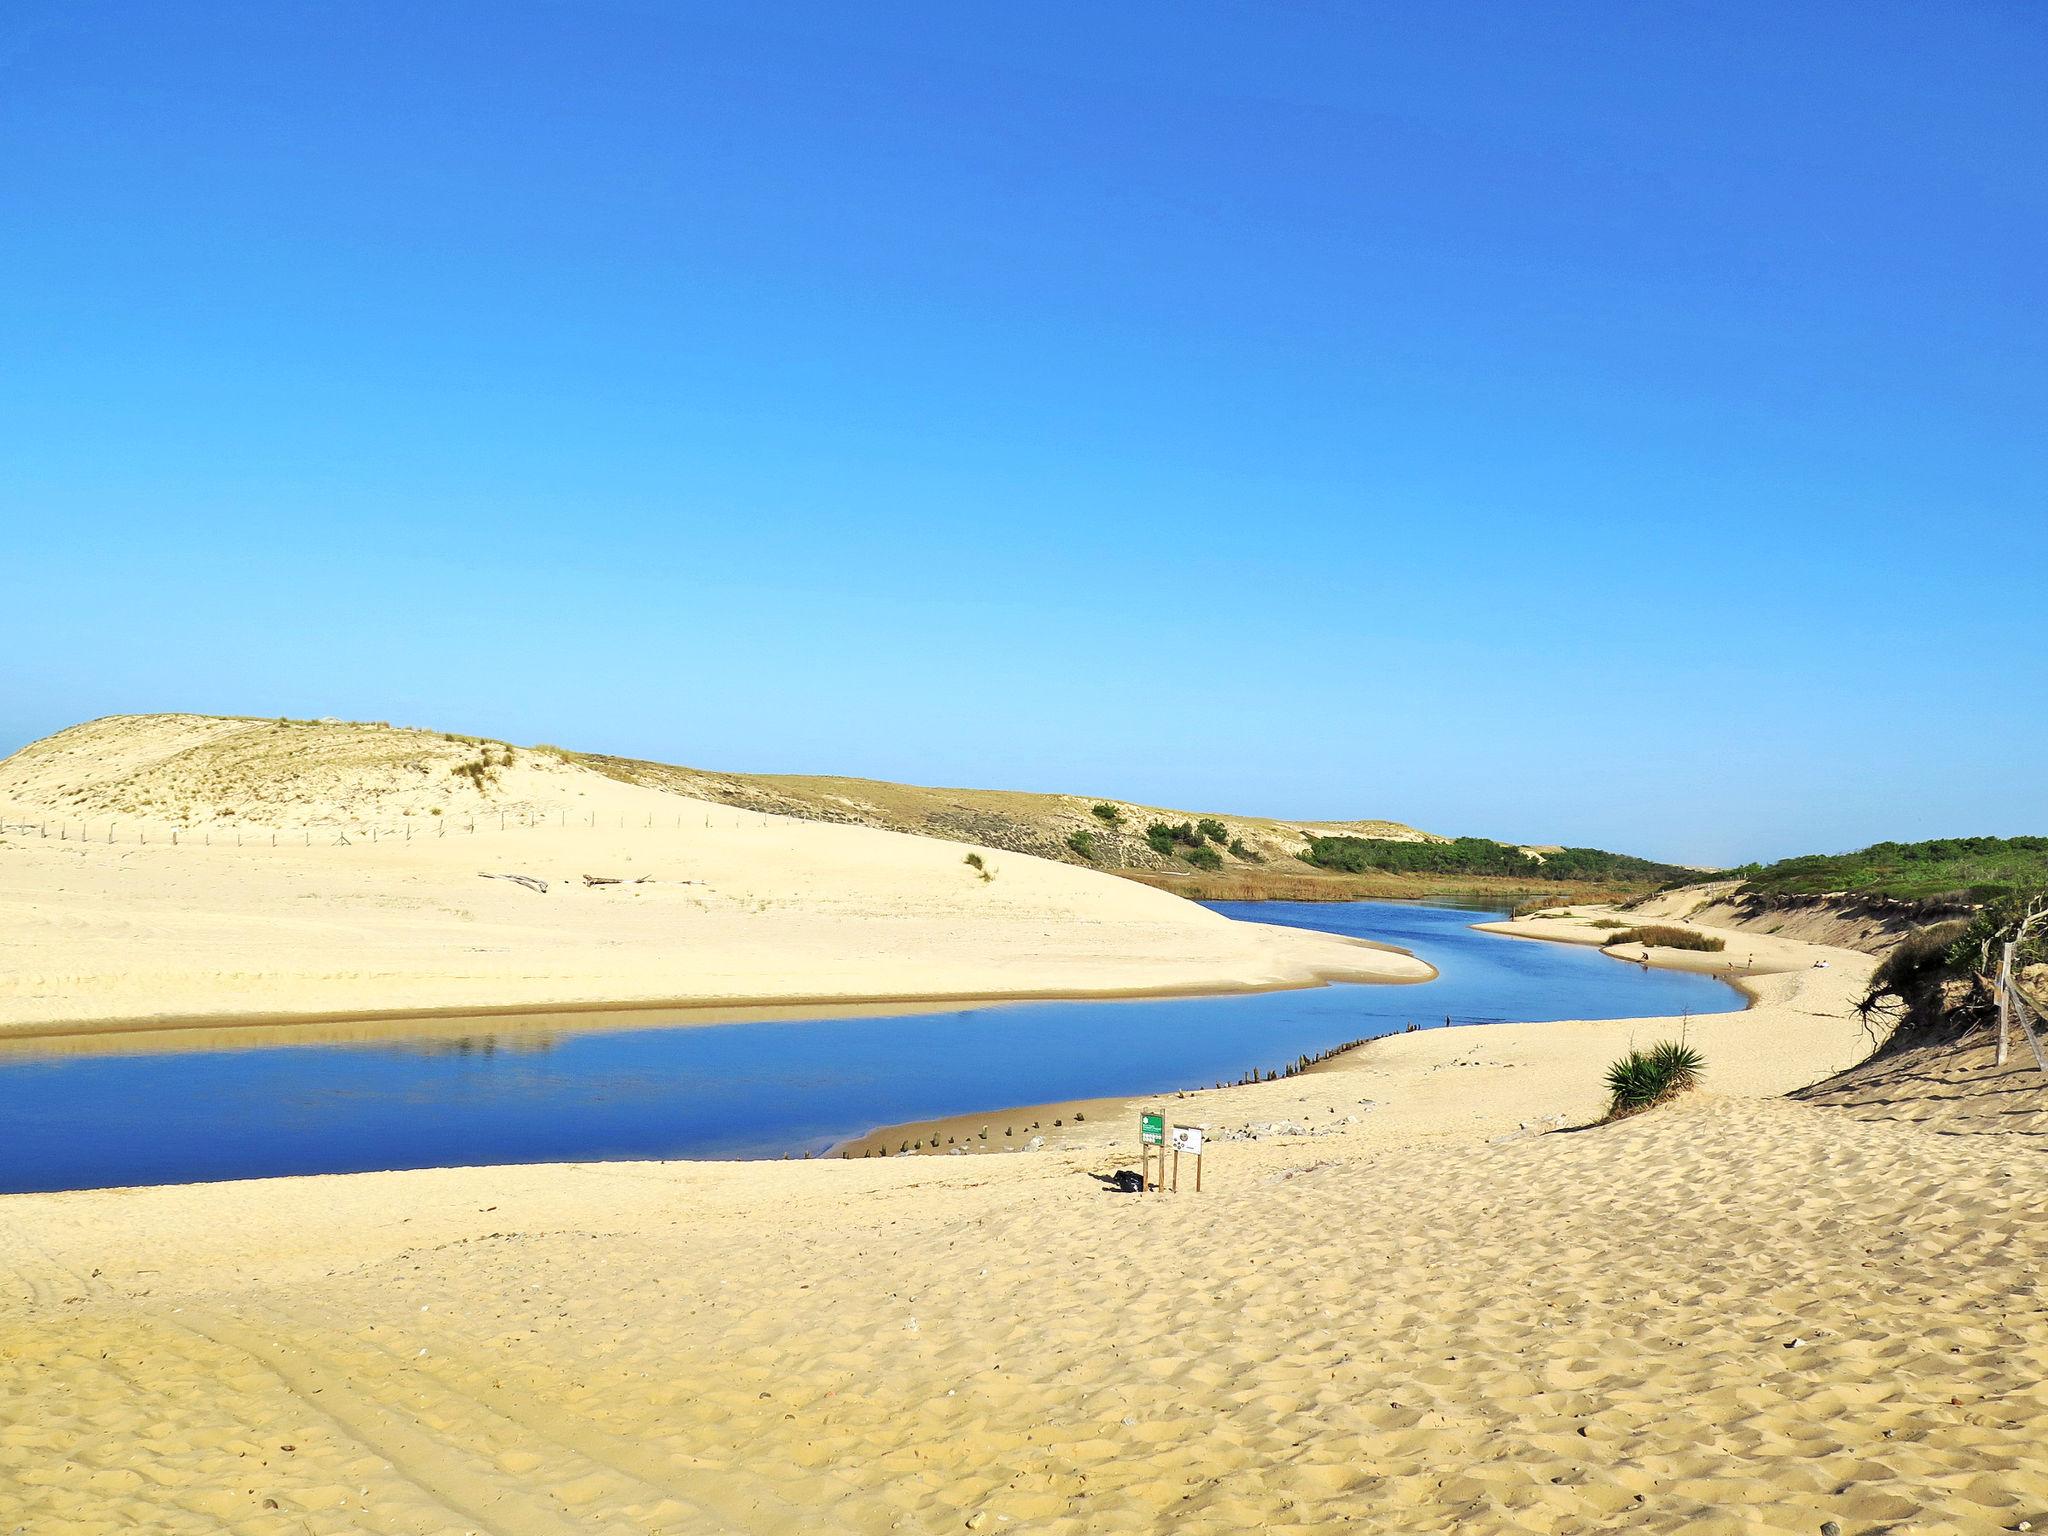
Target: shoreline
(874,1142)
(714,912)
(697,1011)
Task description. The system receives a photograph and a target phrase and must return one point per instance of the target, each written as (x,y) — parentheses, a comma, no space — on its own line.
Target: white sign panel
(1188,1138)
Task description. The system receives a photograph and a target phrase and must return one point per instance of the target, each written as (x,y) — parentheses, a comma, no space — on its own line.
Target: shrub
(1213,830)
(1249,855)
(1482,856)
(1204,858)
(1083,843)
(1107,814)
(1975,869)
(1186,835)
(1982,941)
(1159,837)
(1642,1079)
(1919,957)
(975,862)
(1663,936)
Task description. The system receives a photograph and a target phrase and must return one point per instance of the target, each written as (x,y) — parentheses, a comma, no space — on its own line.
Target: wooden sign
(1188,1139)
(1151,1147)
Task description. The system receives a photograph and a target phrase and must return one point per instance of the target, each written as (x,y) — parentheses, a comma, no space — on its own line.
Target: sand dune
(201,769)
(384,892)
(1405,1308)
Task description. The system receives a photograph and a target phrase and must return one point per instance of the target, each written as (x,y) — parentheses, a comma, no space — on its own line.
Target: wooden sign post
(1188,1139)
(1151,1144)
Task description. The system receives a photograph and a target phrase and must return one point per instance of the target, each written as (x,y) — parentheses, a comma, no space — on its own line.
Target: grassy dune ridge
(1959,869)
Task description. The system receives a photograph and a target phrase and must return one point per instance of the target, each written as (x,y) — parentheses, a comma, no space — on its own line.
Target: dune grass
(1663,936)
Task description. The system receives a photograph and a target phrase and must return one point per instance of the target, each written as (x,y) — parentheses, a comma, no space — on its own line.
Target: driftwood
(637,880)
(526,880)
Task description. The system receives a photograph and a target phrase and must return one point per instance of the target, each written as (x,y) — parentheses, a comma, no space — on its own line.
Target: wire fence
(144,832)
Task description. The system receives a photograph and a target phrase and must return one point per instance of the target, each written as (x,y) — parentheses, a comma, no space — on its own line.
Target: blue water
(481,1094)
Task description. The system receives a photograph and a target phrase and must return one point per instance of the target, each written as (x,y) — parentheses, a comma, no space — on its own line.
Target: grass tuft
(1663,936)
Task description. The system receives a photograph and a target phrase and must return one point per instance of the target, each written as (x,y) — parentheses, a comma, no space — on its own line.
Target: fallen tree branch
(526,880)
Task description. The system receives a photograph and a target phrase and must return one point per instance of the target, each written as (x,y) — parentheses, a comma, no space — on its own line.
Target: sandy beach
(1416,1294)
(809,586)
(178,870)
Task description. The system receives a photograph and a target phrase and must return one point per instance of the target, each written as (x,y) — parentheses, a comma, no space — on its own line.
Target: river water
(485,1092)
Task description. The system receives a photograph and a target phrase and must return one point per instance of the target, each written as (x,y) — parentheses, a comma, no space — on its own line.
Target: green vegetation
(1107,814)
(1167,841)
(1250,855)
(1643,1079)
(1204,858)
(1663,936)
(1942,975)
(1083,843)
(1973,869)
(1213,830)
(975,862)
(484,771)
(1922,958)
(1483,856)
(1983,938)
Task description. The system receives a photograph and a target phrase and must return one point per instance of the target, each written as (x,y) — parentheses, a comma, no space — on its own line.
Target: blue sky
(1606,424)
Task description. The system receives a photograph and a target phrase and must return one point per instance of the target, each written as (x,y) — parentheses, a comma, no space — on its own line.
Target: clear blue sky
(1614,424)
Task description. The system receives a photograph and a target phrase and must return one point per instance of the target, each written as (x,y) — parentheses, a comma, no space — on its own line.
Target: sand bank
(166,871)
(695,905)
(1398,1306)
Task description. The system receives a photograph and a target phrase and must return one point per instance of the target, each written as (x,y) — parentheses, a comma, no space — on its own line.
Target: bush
(1662,936)
(1204,858)
(1159,837)
(1249,855)
(1107,814)
(1482,856)
(1642,1079)
(1213,830)
(975,862)
(1973,869)
(1983,938)
(1083,843)
(1920,957)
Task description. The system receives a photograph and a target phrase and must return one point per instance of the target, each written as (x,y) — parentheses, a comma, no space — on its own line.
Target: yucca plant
(1644,1078)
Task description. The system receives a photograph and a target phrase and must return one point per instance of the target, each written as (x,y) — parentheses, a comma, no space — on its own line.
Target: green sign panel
(1152,1130)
